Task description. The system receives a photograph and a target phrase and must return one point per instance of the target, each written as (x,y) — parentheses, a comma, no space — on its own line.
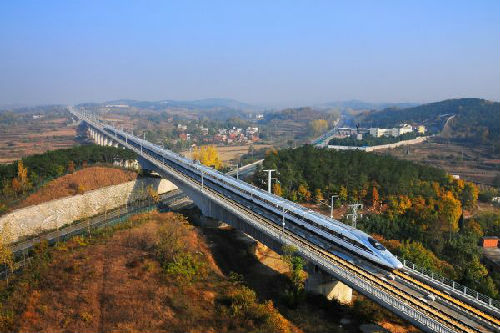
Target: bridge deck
(403,295)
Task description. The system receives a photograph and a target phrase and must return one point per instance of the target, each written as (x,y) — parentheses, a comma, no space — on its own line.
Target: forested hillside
(475,120)
(417,206)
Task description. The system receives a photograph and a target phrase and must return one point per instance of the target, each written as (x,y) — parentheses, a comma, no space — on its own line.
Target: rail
(368,287)
(452,286)
(410,307)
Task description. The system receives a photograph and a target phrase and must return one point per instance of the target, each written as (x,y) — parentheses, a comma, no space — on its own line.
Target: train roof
(287,204)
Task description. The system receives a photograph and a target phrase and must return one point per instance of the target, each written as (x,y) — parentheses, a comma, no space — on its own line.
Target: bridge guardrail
(449,284)
(367,287)
(364,286)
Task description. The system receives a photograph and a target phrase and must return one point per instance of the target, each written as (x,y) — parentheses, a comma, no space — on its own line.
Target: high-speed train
(327,232)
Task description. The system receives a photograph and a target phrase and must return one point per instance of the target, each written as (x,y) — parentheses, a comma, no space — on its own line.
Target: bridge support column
(106,141)
(319,282)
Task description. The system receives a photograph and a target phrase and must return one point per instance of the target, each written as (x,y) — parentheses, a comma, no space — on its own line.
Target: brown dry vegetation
(124,281)
(265,272)
(35,137)
(86,179)
(472,163)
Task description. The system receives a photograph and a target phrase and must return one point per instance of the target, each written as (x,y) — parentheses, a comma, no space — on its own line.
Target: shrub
(187,267)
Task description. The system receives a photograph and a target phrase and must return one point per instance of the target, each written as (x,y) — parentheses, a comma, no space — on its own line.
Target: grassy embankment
(152,273)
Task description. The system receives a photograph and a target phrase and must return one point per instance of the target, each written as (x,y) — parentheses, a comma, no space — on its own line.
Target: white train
(329,231)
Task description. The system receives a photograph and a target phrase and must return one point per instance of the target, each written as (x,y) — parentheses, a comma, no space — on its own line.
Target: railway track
(493,321)
(431,311)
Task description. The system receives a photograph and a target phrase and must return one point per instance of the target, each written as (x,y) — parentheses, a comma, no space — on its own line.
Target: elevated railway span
(276,223)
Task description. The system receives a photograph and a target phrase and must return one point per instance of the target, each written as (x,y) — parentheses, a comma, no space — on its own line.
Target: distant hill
(472,120)
(361,105)
(199,104)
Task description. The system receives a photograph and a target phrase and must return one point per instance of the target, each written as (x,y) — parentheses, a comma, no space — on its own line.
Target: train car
(330,230)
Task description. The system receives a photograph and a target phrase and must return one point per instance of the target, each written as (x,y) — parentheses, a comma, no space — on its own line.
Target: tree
(16,186)
(277,189)
(296,274)
(318,126)
(449,212)
(6,255)
(21,184)
(419,255)
(375,197)
(208,155)
(474,227)
(22,173)
(398,205)
(71,167)
(59,170)
(469,195)
(303,193)
(343,194)
(318,195)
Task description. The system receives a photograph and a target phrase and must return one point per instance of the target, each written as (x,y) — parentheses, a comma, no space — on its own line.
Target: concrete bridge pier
(91,134)
(321,283)
(318,281)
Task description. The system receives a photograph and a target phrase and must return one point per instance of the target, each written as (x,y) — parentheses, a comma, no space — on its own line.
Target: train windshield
(376,244)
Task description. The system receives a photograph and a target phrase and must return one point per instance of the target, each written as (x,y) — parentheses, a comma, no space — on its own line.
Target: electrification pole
(269,172)
(354,215)
(331,206)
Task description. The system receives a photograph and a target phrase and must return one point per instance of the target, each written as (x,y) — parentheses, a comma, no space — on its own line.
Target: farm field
(470,163)
(35,137)
(229,154)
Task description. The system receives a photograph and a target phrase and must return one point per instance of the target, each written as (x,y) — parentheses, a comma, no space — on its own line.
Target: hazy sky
(296,52)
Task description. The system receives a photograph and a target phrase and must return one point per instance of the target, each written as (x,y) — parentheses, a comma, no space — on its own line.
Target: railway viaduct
(329,275)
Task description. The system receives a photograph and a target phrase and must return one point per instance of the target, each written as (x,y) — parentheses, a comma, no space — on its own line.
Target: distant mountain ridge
(232,104)
(361,105)
(201,104)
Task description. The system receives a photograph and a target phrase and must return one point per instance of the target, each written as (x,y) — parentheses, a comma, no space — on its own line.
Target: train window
(376,244)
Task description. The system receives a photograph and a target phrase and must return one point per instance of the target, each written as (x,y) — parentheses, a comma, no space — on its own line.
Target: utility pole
(202,180)
(269,178)
(354,208)
(331,205)
(238,167)
(283,221)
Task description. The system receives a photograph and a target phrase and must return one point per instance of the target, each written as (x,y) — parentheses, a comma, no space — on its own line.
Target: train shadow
(235,252)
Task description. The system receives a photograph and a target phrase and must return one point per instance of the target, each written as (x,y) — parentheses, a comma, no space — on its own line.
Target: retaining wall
(386,146)
(55,213)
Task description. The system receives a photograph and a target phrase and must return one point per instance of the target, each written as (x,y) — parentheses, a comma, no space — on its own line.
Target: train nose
(397,264)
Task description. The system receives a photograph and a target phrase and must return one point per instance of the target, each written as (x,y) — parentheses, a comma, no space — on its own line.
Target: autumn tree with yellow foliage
(277,189)
(208,155)
(21,184)
(318,126)
(449,212)
(6,255)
